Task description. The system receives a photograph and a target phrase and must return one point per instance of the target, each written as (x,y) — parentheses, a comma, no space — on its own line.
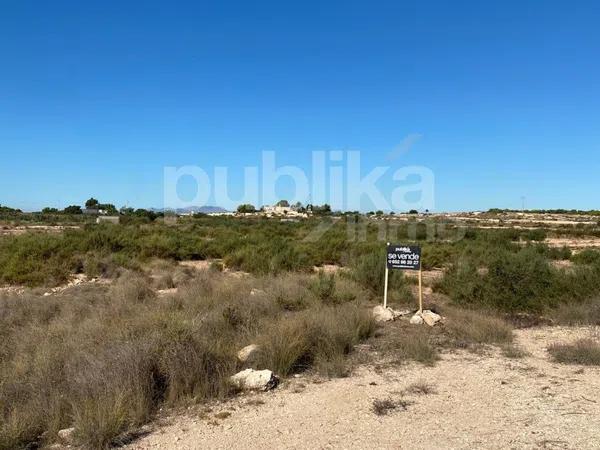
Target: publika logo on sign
(407,257)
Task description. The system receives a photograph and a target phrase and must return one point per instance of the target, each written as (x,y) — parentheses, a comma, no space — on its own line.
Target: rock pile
(381,314)
(426,316)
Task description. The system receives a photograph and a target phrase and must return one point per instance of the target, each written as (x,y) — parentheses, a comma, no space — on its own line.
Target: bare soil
(22,229)
(573,243)
(483,401)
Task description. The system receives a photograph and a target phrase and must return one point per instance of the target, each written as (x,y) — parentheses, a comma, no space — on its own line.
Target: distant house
(217,214)
(276,210)
(283,211)
(108,219)
(95,212)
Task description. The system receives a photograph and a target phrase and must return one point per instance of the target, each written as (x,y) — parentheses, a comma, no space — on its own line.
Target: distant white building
(283,211)
(224,213)
(108,219)
(95,212)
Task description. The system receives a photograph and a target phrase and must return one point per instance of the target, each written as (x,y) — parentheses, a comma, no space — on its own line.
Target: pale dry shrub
(584,351)
(105,359)
(478,327)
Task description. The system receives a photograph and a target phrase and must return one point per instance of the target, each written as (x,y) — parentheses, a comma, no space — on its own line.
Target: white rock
(251,379)
(66,435)
(416,319)
(430,317)
(255,291)
(248,352)
(381,314)
(403,312)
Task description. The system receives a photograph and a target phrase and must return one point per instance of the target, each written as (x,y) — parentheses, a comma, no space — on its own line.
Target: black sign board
(407,257)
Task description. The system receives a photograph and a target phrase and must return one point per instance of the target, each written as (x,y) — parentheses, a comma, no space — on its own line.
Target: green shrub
(522,281)
(587,256)
(368,270)
(324,287)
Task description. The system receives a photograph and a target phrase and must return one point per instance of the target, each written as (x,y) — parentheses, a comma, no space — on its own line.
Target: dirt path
(482,402)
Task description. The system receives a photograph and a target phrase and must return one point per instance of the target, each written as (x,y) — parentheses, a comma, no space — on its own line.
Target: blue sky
(96,98)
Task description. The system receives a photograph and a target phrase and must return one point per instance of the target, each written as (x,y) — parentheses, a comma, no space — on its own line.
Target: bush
(317,337)
(132,287)
(577,314)
(584,352)
(472,327)
(368,270)
(587,256)
(516,282)
(105,359)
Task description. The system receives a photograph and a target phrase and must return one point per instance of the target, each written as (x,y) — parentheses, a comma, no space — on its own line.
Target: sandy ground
(482,401)
(22,229)
(573,243)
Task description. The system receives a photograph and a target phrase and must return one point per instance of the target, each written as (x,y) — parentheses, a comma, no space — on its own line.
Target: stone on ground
(255,380)
(381,314)
(66,435)
(249,352)
(416,319)
(430,317)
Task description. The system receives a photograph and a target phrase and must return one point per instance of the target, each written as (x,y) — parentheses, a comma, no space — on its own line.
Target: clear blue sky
(96,97)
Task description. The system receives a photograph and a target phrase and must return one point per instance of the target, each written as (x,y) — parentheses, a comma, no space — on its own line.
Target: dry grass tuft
(578,314)
(403,343)
(513,352)
(382,407)
(105,359)
(421,388)
(584,351)
(474,327)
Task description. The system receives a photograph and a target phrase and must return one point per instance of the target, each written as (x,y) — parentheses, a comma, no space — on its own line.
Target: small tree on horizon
(72,209)
(92,203)
(246,208)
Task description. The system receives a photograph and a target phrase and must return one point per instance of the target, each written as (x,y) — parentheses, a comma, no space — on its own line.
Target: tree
(92,203)
(8,210)
(321,210)
(379,212)
(73,209)
(246,208)
(49,210)
(283,203)
(413,211)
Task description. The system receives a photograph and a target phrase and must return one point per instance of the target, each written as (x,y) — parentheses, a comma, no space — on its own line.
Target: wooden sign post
(403,257)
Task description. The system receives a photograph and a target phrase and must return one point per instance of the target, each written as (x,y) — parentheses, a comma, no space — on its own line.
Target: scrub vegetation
(105,357)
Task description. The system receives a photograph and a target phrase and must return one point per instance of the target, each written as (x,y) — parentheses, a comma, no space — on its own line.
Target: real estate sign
(404,257)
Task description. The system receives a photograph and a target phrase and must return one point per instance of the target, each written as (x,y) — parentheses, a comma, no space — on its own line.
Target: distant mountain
(195,209)
(207,209)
